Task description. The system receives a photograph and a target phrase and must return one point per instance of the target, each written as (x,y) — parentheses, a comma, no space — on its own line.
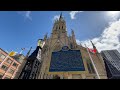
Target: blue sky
(22,29)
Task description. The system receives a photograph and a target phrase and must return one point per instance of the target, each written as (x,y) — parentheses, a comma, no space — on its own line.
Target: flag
(41,43)
(12,53)
(92,50)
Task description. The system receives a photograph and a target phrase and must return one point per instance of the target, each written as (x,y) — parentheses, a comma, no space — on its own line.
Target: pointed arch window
(62,27)
(71,46)
(56,27)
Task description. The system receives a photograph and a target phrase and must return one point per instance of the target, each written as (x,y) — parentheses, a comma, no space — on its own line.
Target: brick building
(8,65)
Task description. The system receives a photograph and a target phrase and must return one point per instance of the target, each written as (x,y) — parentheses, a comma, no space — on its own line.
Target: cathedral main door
(56,77)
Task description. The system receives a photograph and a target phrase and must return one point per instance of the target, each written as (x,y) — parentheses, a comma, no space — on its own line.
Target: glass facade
(112,63)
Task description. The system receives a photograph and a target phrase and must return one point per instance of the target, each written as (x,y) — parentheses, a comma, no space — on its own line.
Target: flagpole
(22,49)
(93,63)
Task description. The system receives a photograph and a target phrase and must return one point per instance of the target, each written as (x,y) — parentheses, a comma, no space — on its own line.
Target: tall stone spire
(73,39)
(45,36)
(59,26)
(28,52)
(60,16)
(72,32)
(59,32)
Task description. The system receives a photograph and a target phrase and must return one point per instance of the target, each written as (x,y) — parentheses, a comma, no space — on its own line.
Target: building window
(11,71)
(7,77)
(1,75)
(56,77)
(0,62)
(2,56)
(56,27)
(4,67)
(9,61)
(62,27)
(71,46)
(15,64)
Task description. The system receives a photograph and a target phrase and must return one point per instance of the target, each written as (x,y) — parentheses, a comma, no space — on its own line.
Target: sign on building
(66,60)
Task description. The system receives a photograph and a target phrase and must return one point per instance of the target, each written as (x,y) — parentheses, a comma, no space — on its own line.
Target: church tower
(59,36)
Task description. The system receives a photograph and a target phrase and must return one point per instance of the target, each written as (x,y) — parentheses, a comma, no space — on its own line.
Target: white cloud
(73,13)
(78,42)
(56,17)
(25,14)
(113,14)
(109,39)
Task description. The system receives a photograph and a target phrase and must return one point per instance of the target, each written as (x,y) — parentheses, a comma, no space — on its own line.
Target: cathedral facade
(55,42)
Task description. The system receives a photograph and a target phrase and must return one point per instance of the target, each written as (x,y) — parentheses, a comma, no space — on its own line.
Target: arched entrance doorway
(56,77)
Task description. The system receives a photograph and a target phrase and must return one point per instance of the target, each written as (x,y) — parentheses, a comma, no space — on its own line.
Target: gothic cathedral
(55,42)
